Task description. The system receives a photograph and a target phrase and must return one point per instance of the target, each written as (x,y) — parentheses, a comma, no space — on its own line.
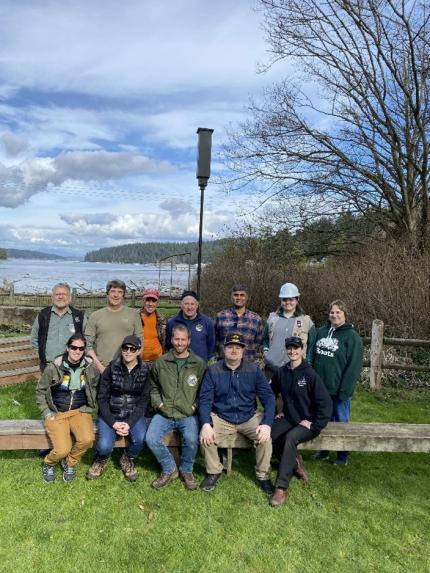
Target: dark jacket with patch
(304,396)
(123,396)
(232,394)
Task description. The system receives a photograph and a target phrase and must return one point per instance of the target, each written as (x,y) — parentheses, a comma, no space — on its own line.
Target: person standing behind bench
(54,325)
(239,319)
(123,399)
(305,412)
(200,326)
(175,383)
(289,320)
(338,359)
(154,327)
(108,326)
(66,397)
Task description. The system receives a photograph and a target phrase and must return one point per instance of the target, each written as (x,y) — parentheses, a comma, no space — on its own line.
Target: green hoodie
(338,359)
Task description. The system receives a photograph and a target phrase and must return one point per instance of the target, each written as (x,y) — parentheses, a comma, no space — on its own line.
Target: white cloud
(19,182)
(13,144)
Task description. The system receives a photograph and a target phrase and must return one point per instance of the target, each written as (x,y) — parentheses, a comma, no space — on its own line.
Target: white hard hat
(289,290)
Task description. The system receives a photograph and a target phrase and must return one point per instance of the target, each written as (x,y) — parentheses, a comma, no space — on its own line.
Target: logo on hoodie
(327,346)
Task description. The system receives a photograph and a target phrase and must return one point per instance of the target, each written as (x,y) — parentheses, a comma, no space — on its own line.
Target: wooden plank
(11,352)
(14,341)
(18,363)
(11,377)
(401,342)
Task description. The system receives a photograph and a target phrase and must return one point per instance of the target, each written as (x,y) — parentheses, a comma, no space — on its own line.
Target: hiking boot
(189,480)
(128,468)
(300,470)
(321,455)
(48,473)
(69,472)
(210,481)
(97,468)
(279,497)
(266,485)
(164,479)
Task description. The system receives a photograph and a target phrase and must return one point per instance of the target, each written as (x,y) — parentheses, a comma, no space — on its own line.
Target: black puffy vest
(126,388)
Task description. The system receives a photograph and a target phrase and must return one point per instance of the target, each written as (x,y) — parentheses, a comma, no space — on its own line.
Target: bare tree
(350,130)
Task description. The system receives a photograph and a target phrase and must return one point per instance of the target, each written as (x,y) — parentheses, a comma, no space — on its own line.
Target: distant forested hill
(153,252)
(25,254)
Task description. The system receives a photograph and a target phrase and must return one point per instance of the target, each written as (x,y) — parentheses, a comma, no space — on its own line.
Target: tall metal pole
(199,255)
(204,150)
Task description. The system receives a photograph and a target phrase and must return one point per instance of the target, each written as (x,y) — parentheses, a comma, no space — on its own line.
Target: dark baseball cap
(234,338)
(294,341)
(133,340)
(189,293)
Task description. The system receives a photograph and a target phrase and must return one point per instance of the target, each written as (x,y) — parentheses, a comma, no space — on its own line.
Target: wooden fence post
(12,295)
(376,354)
(133,297)
(74,295)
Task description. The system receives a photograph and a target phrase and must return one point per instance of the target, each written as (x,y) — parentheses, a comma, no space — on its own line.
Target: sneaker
(321,455)
(279,497)
(340,462)
(69,472)
(128,468)
(48,473)
(97,468)
(266,485)
(210,481)
(300,470)
(189,480)
(164,479)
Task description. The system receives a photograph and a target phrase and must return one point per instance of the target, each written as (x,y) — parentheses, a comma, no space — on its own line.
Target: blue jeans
(189,430)
(341,413)
(107,437)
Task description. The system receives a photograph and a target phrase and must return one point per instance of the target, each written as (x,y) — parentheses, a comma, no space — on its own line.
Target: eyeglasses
(79,348)
(150,299)
(129,348)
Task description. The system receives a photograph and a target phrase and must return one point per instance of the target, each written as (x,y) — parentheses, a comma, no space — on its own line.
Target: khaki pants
(223,429)
(60,429)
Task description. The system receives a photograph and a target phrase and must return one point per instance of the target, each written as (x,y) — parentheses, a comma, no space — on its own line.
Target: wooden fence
(377,363)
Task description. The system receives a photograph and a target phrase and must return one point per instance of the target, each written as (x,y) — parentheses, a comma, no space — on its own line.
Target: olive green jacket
(53,375)
(174,392)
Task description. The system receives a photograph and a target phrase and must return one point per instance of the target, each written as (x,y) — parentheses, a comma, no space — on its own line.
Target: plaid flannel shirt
(249,325)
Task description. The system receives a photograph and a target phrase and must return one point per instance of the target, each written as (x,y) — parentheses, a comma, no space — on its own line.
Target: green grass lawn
(370,516)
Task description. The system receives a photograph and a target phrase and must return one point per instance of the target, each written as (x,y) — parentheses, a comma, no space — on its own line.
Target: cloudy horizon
(99,110)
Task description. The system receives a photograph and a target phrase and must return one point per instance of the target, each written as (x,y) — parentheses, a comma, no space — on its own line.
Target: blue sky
(99,105)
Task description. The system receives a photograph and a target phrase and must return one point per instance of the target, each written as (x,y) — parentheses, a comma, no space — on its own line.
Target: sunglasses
(80,348)
(128,347)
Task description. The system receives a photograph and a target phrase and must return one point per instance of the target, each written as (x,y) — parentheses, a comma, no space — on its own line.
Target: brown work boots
(128,468)
(97,468)
(300,470)
(165,479)
(279,497)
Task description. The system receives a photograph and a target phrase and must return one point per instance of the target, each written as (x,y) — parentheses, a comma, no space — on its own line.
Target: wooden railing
(377,363)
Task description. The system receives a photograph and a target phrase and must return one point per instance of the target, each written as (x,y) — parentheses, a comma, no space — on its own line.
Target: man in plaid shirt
(238,318)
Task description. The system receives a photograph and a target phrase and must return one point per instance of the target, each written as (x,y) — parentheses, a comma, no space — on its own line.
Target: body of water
(33,275)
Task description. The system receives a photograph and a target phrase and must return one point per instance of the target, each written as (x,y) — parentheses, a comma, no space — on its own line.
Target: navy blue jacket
(202,334)
(231,394)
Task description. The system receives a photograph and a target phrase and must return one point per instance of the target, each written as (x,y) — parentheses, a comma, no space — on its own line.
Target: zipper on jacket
(72,392)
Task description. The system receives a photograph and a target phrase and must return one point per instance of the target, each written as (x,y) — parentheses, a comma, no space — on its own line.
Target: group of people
(194,375)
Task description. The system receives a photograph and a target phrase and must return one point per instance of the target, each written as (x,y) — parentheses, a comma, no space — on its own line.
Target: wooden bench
(356,437)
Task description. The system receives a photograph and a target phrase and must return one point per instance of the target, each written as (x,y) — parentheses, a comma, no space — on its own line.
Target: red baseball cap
(151,293)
